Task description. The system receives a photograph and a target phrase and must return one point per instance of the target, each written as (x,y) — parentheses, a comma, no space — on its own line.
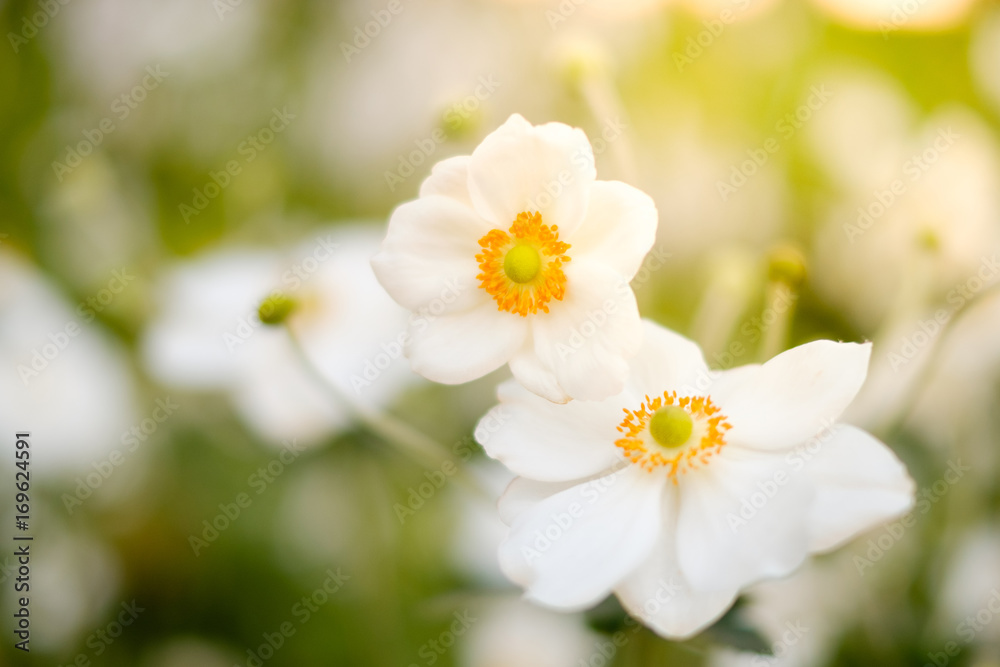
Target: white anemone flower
(713,480)
(208,334)
(483,259)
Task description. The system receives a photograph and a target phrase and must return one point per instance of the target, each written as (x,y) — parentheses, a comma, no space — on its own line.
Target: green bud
(786,264)
(275,309)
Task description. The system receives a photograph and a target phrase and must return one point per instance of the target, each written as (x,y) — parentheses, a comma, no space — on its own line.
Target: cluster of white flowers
(641,471)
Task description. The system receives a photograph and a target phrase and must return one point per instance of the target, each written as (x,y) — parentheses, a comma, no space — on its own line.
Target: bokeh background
(206,494)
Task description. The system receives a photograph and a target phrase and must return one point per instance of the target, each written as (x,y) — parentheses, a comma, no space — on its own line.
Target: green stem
(775,338)
(418,446)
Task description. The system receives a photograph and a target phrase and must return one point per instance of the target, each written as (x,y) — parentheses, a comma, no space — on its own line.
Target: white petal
(460,347)
(668,361)
(572,549)
(449,178)
(428,257)
(739,522)
(518,168)
(658,594)
(549,442)
(522,494)
(587,338)
(859,485)
(535,377)
(619,228)
(794,395)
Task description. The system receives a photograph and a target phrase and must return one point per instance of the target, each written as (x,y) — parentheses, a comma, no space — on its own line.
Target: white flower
(483,258)
(209,337)
(888,16)
(67,381)
(712,481)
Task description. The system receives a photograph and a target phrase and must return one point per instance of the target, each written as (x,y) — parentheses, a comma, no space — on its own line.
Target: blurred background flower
(203,496)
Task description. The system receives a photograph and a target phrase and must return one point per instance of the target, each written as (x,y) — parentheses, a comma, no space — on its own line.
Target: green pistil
(522,263)
(671,426)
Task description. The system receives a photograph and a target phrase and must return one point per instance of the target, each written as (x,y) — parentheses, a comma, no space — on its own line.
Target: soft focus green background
(673,119)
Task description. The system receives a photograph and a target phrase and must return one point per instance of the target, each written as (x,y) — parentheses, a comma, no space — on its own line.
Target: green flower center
(276,308)
(522,263)
(671,426)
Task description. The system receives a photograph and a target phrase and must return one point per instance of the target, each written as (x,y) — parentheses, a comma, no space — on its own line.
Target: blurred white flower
(108,43)
(68,383)
(566,327)
(721,479)
(889,16)
(209,335)
(78,581)
(918,203)
(479,531)
(969,611)
(511,632)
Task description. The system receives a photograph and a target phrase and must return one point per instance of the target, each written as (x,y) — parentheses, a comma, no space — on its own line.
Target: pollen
(673,434)
(522,267)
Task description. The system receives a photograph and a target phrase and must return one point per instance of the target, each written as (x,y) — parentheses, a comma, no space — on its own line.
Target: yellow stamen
(658,435)
(522,268)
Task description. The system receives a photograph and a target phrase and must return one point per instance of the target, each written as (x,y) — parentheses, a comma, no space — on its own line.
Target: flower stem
(779,305)
(413,443)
